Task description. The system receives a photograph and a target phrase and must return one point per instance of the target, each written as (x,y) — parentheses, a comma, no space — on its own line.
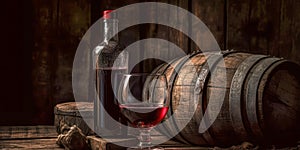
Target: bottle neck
(111,30)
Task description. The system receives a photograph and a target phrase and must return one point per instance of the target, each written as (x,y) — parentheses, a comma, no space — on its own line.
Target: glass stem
(145,138)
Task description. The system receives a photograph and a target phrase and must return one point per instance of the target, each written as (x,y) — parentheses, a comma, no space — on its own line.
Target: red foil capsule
(106,14)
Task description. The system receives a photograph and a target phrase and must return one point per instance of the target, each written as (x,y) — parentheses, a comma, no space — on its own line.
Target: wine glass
(144,102)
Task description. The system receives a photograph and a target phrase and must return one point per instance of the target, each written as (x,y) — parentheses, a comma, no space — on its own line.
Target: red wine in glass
(144,102)
(143,115)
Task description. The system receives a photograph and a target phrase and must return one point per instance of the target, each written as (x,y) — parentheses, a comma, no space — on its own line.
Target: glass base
(144,139)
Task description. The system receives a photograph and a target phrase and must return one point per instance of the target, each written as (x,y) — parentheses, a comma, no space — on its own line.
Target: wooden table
(44,137)
(28,137)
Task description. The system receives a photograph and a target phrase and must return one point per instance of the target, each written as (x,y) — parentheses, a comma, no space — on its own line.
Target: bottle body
(110,62)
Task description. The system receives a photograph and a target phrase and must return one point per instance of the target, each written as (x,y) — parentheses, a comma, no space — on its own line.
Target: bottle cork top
(106,14)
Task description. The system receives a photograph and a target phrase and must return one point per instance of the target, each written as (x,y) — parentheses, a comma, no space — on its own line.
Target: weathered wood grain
(217,91)
(211,13)
(289,31)
(48,143)
(211,94)
(175,36)
(45,21)
(275,95)
(44,137)
(28,137)
(99,143)
(236,90)
(59,26)
(265,27)
(21,132)
(73,20)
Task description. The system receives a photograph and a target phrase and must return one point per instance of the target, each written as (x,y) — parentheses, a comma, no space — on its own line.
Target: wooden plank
(289,43)
(28,137)
(73,20)
(266,27)
(48,143)
(211,13)
(45,21)
(99,143)
(59,26)
(150,31)
(176,37)
(237,19)
(43,137)
(130,35)
(21,132)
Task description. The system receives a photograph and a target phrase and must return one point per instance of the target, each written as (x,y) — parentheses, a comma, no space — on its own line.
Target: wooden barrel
(67,113)
(261,98)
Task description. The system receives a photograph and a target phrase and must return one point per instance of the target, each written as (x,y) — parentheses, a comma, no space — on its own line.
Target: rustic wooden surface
(243,111)
(59,26)
(98,143)
(44,137)
(267,27)
(46,143)
(212,14)
(20,132)
(28,137)
(275,94)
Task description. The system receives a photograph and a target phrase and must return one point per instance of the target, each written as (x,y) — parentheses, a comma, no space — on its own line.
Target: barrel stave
(255,96)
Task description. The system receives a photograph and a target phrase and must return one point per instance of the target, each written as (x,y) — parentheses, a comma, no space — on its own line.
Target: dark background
(39,39)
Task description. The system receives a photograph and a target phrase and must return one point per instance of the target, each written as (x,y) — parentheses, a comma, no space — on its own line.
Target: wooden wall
(264,26)
(59,26)
(257,26)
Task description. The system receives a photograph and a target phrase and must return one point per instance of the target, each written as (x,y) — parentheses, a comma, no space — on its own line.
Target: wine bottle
(109,63)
